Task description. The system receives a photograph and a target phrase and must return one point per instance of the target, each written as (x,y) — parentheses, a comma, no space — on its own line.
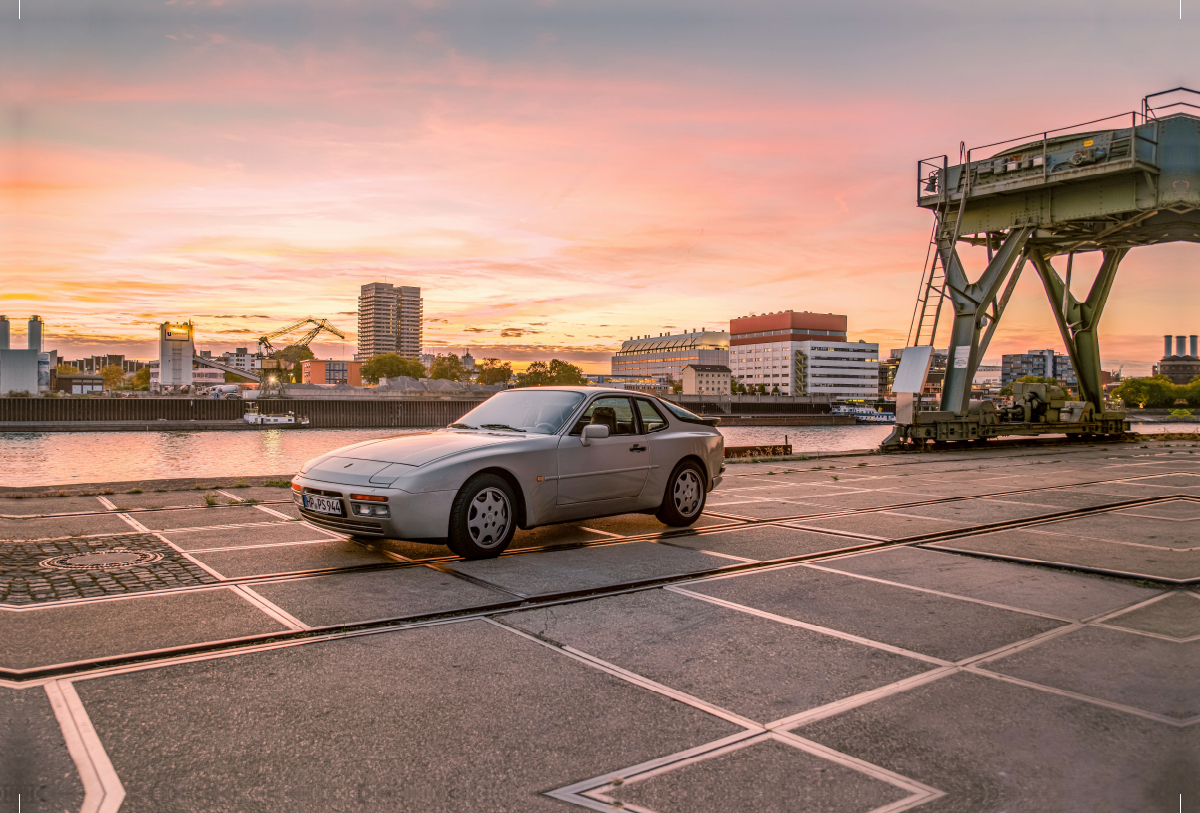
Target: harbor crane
(318,325)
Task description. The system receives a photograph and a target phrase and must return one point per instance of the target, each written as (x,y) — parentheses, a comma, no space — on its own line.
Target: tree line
(1157,392)
(449,367)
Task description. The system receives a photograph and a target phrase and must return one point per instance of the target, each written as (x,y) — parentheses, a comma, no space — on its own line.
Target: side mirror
(593,430)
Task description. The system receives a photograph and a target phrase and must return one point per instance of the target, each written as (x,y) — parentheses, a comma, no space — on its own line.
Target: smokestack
(4,333)
(1192,345)
(35,333)
(1166,346)
(1179,348)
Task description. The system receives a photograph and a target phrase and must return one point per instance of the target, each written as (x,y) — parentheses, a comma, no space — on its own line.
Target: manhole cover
(103,560)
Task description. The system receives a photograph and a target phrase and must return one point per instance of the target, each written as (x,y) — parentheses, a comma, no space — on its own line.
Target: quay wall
(322,413)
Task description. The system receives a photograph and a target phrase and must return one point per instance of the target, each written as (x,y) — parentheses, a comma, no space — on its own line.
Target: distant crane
(318,325)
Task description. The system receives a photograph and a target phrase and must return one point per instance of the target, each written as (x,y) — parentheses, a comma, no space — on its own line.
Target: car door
(608,468)
(663,456)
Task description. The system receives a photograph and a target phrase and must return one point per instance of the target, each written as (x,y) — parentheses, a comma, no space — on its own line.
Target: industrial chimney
(35,333)
(1179,346)
(1192,340)
(4,333)
(1166,346)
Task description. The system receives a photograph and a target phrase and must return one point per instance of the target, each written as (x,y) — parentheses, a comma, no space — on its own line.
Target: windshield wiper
(500,426)
(461,426)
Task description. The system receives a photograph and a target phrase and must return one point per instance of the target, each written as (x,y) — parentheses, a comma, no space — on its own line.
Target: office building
(933,379)
(1179,366)
(1042,363)
(802,353)
(241,359)
(331,371)
(706,379)
(664,357)
(389,321)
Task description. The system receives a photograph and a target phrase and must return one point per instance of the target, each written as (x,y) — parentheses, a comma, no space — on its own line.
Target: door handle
(637,448)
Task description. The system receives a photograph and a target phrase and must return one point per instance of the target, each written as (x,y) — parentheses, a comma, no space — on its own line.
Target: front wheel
(683,501)
(482,518)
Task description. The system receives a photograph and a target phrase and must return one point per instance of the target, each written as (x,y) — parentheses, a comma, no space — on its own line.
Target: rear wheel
(683,501)
(482,518)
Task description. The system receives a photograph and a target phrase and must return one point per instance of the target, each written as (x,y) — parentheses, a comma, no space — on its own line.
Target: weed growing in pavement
(108,491)
(863,464)
(278,483)
(250,501)
(241,483)
(198,487)
(834,476)
(134,491)
(18,496)
(87,493)
(211,499)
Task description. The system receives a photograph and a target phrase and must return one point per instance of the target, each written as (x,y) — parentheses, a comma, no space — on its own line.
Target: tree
(142,377)
(448,367)
(566,374)
(1154,392)
(68,369)
(293,353)
(492,371)
(113,376)
(537,374)
(775,390)
(390,365)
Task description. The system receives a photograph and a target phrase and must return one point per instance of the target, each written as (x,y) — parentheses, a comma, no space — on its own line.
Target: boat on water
(864,414)
(253,416)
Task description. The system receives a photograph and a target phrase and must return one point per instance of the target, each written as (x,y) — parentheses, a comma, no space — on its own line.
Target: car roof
(585,390)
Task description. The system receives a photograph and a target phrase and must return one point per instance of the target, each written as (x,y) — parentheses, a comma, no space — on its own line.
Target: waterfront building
(1042,363)
(763,347)
(201,376)
(241,359)
(79,383)
(331,371)
(1179,366)
(19,368)
(389,320)
(663,357)
(639,383)
(846,371)
(706,379)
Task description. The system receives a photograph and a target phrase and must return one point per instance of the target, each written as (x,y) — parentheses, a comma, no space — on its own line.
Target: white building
(664,357)
(19,368)
(175,351)
(706,379)
(201,376)
(841,370)
(241,359)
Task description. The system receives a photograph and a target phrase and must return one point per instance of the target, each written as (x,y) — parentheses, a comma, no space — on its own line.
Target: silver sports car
(521,459)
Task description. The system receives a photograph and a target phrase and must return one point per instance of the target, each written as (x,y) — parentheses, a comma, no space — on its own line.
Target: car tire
(483,518)
(683,501)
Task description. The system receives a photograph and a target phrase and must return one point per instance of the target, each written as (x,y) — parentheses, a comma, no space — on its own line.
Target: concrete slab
(764,509)
(34,761)
(942,627)
(1076,596)
(756,667)
(978,511)
(40,506)
(1174,480)
(1110,664)
(881,524)
(236,564)
(261,493)
(767,777)
(1119,527)
(164,499)
(996,746)
(57,527)
(1046,547)
(200,518)
(765,542)
(282,533)
(53,635)
(1175,509)
(584,568)
(1177,616)
(345,598)
(863,499)
(1064,499)
(638,524)
(291,510)
(449,718)
(547,535)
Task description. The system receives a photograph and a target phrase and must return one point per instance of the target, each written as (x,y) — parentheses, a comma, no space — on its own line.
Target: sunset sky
(555,176)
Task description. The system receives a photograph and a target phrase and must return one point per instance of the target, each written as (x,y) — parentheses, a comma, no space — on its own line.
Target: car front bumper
(411,516)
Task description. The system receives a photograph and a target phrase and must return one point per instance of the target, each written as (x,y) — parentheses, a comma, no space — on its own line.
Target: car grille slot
(342,524)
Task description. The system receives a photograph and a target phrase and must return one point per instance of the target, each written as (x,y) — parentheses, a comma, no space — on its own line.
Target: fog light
(362,509)
(380,510)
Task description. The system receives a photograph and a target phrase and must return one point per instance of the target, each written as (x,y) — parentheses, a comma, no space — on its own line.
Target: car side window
(652,419)
(615,413)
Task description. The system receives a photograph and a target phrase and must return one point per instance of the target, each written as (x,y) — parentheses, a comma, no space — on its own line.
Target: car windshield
(542,412)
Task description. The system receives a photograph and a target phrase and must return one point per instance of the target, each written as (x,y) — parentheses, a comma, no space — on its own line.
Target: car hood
(363,460)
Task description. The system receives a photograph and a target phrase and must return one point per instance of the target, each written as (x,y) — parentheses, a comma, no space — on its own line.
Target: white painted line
(107,503)
(189,557)
(266,545)
(1018,646)
(791,622)
(1095,701)
(602,533)
(812,566)
(836,532)
(230,496)
(1137,605)
(273,512)
(270,608)
(228,527)
(103,792)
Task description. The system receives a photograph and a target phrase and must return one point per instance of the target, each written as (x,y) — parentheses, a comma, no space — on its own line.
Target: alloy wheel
(489,517)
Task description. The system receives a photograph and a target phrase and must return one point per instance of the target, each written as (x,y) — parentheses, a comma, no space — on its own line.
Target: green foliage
(494,371)
(448,368)
(560,373)
(293,353)
(1157,392)
(68,369)
(142,377)
(390,365)
(113,376)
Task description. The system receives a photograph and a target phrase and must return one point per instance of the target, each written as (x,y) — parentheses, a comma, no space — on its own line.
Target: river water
(54,458)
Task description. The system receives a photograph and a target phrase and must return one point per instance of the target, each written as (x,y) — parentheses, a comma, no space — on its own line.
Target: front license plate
(323,505)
